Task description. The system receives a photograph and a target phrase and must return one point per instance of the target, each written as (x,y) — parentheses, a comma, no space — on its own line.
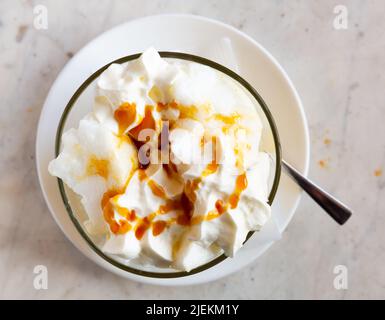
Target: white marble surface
(339,75)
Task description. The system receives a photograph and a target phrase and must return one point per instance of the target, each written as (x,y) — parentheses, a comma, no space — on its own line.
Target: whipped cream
(167,164)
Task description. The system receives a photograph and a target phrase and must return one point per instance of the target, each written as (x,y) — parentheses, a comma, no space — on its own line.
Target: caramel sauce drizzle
(220,206)
(193,185)
(156,188)
(116,227)
(148,122)
(240,185)
(98,167)
(143,224)
(142,227)
(158,227)
(125,115)
(184,111)
(228,120)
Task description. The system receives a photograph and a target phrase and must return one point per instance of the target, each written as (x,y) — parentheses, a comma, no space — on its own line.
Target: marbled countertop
(340,77)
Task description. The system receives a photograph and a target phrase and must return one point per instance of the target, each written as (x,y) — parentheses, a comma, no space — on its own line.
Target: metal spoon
(335,208)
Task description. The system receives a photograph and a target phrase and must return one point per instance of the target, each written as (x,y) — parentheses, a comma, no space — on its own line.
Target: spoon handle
(336,209)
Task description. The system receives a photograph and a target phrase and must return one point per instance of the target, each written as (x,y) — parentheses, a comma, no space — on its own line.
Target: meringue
(167,163)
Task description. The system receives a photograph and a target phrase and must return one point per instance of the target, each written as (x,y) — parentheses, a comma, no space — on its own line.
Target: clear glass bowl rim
(173,55)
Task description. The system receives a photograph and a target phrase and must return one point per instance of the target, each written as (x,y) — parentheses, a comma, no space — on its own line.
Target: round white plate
(191,34)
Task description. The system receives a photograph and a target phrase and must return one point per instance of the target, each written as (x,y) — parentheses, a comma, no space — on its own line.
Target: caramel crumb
(327,141)
(378,173)
(29,109)
(322,163)
(21,33)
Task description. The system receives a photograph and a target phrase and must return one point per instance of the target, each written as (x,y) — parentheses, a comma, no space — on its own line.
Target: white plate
(191,34)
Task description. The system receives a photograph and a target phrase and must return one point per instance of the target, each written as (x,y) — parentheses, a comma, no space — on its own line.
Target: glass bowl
(80,104)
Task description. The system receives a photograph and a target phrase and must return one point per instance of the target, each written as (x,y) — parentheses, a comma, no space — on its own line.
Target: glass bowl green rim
(182,56)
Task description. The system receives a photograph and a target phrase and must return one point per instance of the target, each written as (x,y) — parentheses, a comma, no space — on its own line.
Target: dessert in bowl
(162,165)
